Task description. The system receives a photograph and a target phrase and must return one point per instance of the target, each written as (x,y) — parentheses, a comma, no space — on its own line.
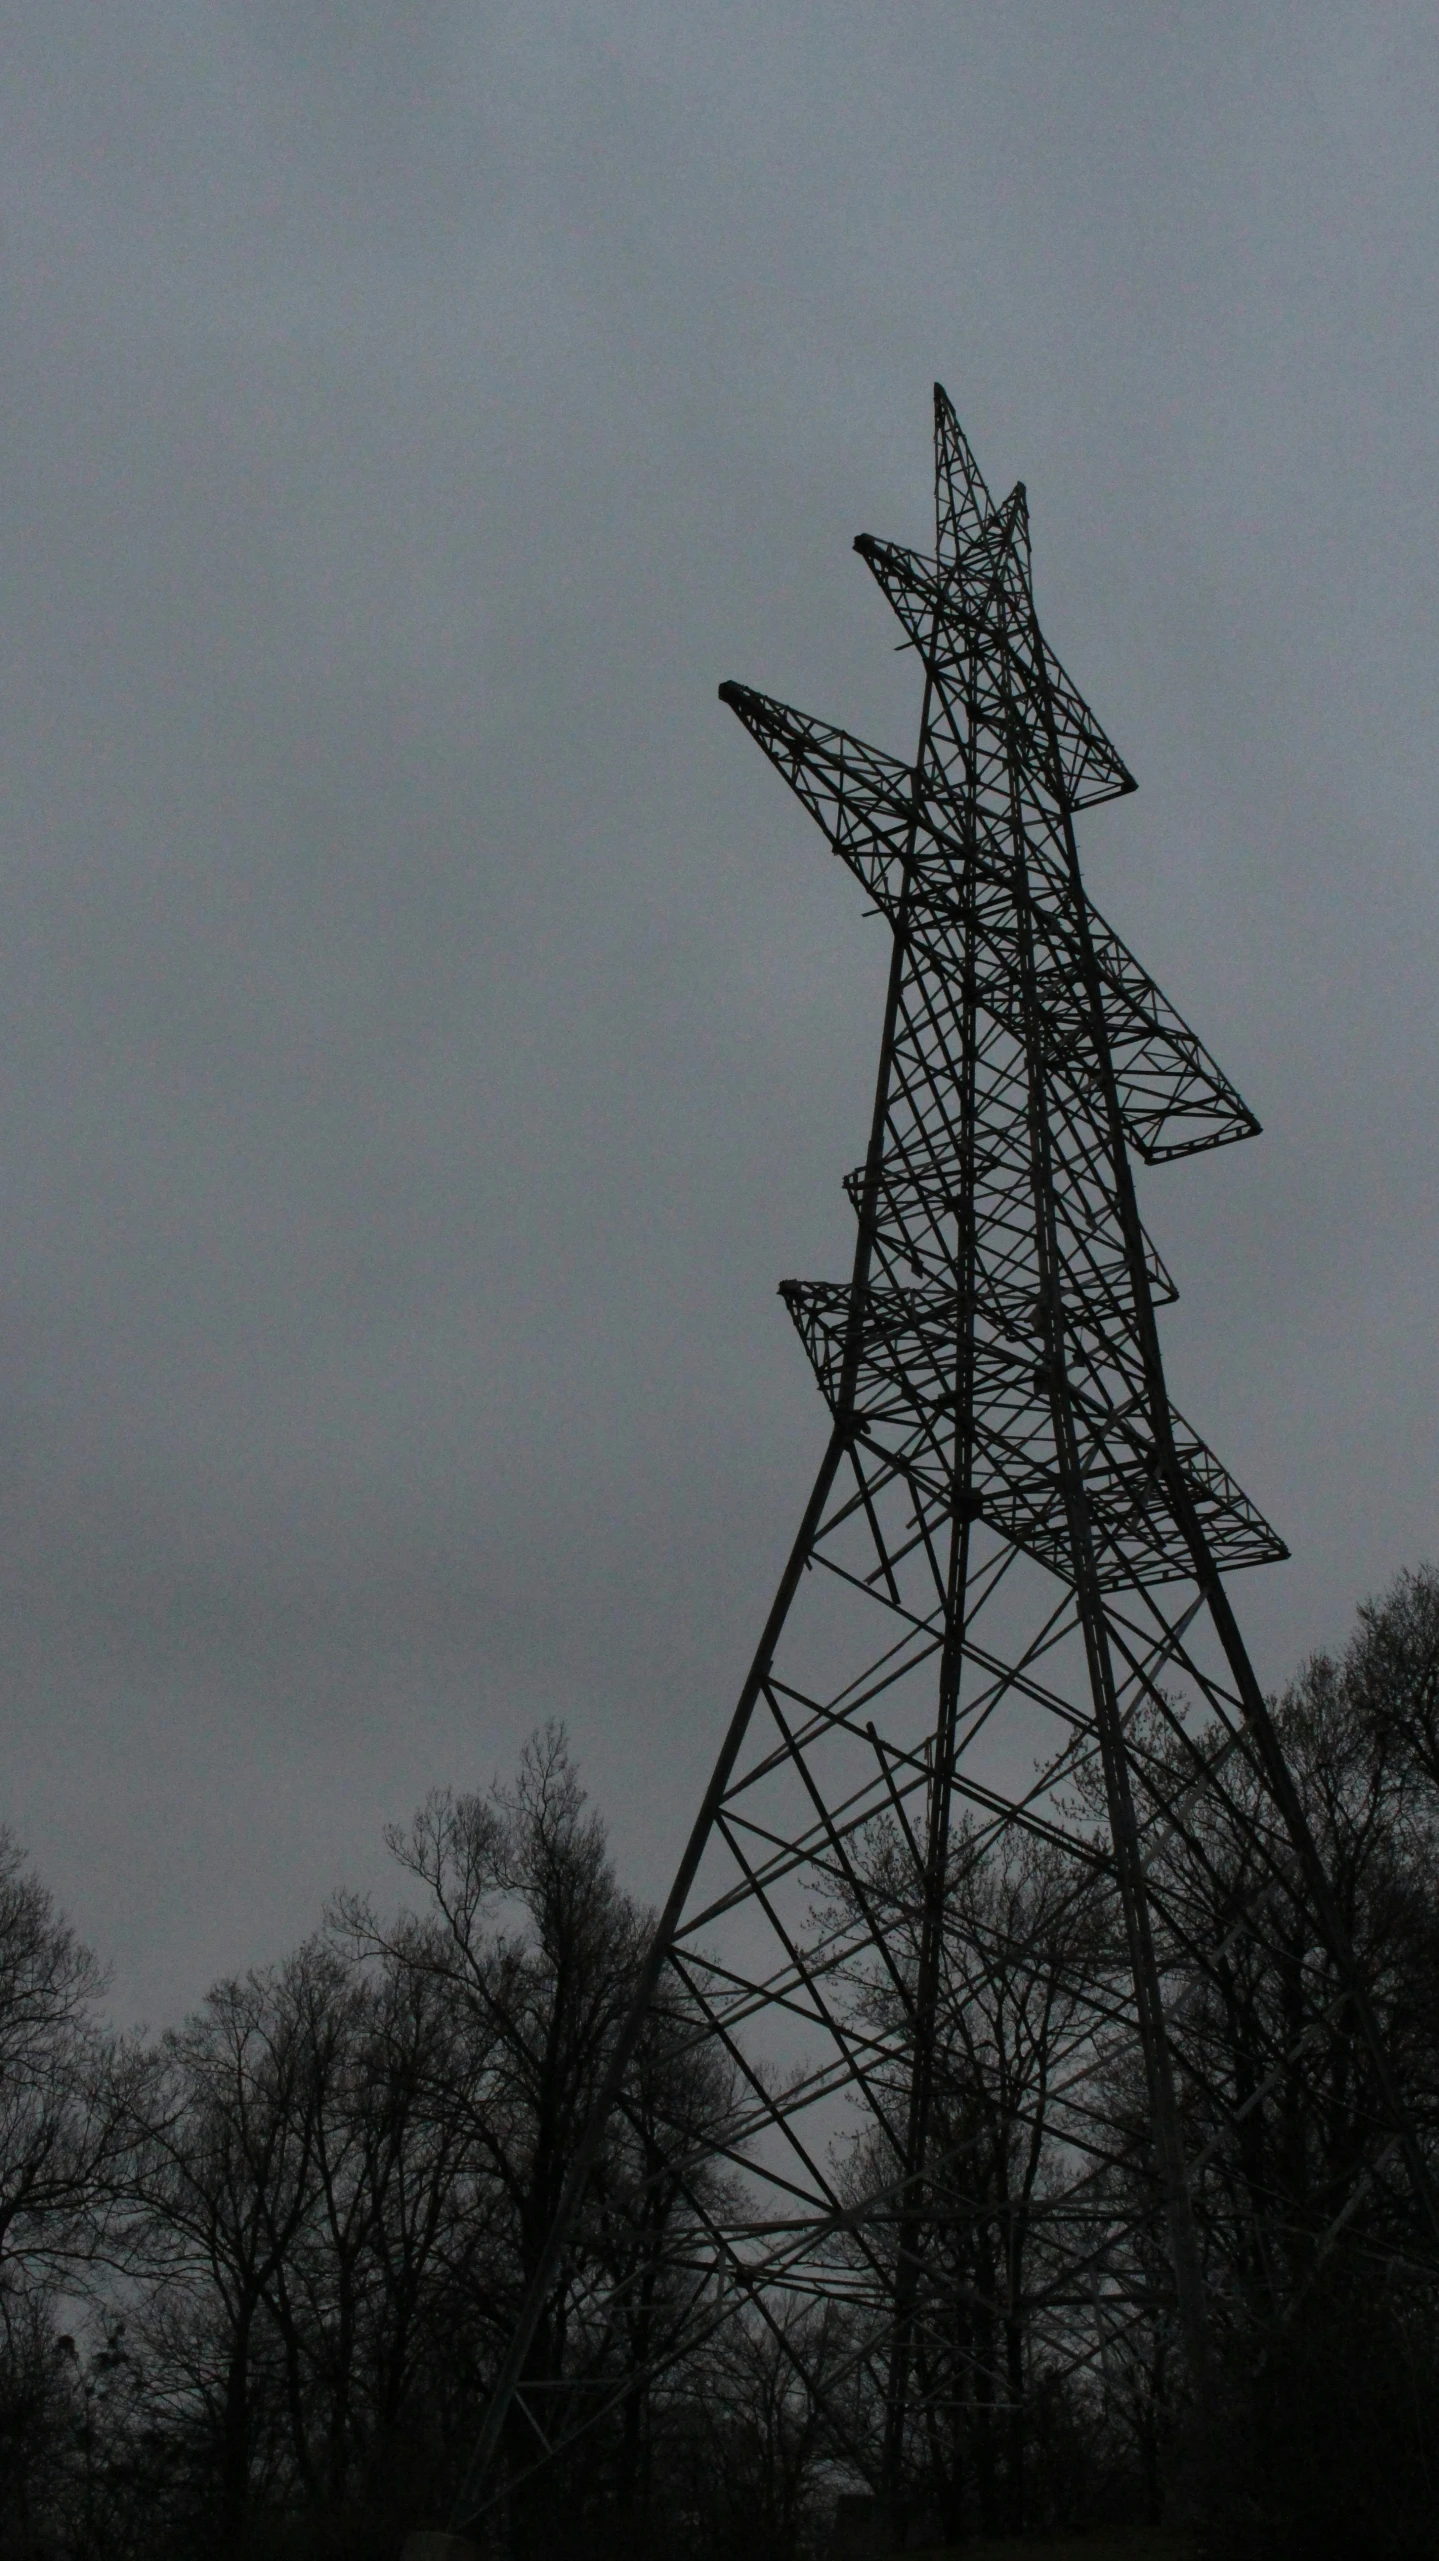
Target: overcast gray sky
(429,1030)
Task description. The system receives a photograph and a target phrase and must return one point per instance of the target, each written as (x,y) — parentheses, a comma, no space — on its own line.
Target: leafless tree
(64,2122)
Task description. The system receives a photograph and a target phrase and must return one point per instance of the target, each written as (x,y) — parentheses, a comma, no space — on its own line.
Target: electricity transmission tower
(1001,1701)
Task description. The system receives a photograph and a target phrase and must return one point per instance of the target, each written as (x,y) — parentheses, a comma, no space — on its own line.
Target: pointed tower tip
(963,505)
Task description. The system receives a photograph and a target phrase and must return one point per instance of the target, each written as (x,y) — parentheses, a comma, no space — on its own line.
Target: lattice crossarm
(861,798)
(956,618)
(1175,1099)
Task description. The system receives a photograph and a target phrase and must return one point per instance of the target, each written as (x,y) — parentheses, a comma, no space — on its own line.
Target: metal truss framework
(1002,1630)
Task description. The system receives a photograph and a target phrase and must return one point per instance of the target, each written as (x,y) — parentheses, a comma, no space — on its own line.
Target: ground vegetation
(256,2274)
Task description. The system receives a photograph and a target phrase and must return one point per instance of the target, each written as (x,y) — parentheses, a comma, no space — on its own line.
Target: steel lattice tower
(1001,1643)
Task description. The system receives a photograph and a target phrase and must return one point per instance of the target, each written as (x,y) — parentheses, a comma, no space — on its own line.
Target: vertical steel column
(909,2261)
(1124,1828)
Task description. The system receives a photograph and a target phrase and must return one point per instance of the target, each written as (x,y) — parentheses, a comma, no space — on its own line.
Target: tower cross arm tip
(861,798)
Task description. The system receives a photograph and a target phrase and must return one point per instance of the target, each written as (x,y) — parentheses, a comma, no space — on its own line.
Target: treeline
(255,2278)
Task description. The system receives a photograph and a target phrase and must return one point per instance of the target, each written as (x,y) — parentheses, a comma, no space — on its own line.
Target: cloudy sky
(429,1031)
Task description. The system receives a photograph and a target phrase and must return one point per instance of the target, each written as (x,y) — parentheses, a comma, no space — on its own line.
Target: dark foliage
(254,2280)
